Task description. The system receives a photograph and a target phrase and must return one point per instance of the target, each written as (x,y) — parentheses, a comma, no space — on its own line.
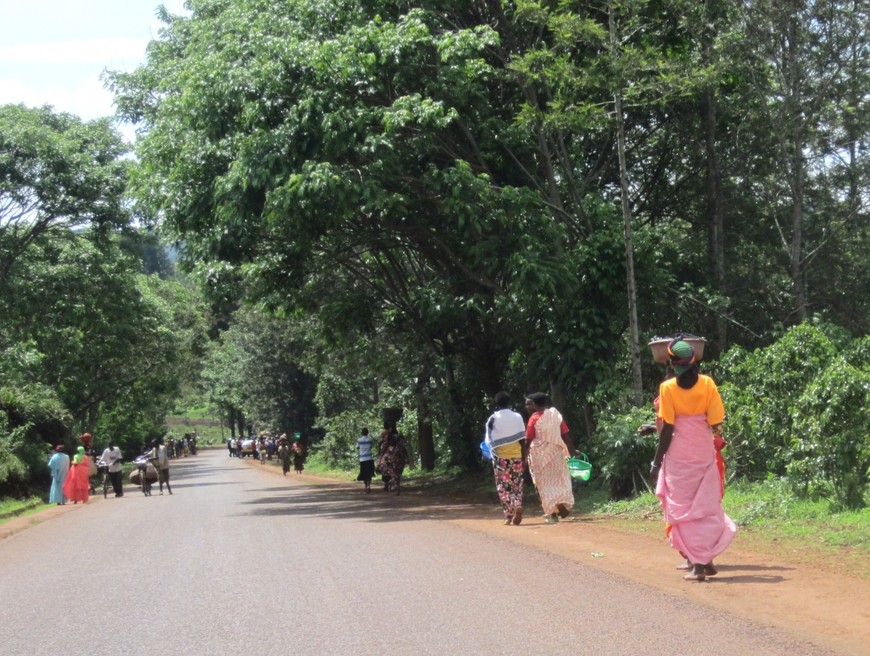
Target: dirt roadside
(827,608)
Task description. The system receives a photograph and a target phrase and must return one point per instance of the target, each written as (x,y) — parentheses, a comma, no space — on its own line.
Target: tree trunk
(715,211)
(631,285)
(797,268)
(425,440)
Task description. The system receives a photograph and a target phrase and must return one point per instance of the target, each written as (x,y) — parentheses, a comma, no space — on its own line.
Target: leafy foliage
(622,455)
(832,424)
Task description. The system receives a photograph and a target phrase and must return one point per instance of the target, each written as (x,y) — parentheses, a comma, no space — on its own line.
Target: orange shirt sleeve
(666,411)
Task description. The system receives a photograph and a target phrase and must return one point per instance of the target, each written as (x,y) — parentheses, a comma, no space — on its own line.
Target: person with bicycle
(111,458)
(161,461)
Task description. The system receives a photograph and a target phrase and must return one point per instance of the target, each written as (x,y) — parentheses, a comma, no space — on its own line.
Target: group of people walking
(72,479)
(266,447)
(542,444)
(687,470)
(392,457)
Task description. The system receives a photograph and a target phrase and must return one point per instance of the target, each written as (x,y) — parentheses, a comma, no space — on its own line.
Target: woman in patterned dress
(549,447)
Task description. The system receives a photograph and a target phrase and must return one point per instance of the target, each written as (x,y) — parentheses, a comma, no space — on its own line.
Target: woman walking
(366,460)
(284,453)
(392,459)
(549,446)
(77,484)
(298,451)
(59,466)
(505,435)
(688,481)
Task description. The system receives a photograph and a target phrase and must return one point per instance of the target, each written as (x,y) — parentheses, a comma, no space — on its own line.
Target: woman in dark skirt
(366,459)
(298,451)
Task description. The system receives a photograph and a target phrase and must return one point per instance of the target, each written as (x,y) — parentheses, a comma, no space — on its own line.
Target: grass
(209,431)
(10,508)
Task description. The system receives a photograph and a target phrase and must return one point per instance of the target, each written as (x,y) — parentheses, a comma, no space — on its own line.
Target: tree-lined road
(240,561)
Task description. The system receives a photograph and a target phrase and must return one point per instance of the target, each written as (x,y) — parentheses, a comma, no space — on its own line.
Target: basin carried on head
(392,416)
(659,347)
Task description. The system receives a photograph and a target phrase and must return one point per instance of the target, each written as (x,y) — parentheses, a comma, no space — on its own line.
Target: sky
(54,51)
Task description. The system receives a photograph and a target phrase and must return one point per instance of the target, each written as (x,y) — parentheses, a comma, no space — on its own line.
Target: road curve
(240,561)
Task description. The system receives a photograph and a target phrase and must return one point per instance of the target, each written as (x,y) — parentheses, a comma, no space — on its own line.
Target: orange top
(702,399)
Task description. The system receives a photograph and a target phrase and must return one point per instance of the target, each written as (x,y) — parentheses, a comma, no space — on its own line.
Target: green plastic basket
(579,468)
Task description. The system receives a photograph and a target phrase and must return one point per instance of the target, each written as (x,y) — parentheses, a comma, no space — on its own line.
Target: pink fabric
(689,488)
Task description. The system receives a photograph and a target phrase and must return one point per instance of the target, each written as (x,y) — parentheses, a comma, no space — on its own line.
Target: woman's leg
(501,474)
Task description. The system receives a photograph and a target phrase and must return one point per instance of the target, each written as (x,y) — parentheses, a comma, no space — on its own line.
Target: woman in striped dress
(549,446)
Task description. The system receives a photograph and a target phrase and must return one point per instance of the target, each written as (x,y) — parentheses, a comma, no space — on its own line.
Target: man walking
(159,454)
(112,458)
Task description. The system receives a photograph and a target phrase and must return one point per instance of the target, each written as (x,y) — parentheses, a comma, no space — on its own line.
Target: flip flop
(694,577)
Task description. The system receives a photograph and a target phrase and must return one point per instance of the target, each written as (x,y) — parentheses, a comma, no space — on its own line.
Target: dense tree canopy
(475,179)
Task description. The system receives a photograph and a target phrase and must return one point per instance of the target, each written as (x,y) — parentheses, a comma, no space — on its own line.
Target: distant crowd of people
(266,447)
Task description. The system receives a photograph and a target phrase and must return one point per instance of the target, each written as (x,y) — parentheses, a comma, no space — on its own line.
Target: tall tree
(57,172)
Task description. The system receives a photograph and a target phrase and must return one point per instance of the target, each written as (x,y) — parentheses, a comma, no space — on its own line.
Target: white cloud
(86,97)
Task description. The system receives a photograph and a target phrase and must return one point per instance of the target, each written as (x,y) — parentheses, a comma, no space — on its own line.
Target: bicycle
(103,468)
(142,464)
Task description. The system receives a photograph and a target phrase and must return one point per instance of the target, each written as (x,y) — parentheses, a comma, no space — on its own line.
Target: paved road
(239,561)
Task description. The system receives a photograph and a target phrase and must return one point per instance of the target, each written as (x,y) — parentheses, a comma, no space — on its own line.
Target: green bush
(621,456)
(32,421)
(759,391)
(832,434)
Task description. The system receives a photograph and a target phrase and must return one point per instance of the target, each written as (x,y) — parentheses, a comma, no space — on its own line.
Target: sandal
(685,567)
(710,570)
(691,576)
(508,521)
(518,516)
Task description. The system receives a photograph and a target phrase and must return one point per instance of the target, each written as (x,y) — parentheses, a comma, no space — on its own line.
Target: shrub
(832,434)
(760,389)
(621,456)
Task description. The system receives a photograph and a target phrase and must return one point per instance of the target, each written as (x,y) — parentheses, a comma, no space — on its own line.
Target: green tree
(57,173)
(257,368)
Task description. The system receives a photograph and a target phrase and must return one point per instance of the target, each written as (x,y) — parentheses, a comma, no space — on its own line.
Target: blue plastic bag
(484,451)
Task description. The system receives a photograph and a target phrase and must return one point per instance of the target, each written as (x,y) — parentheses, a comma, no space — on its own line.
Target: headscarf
(59,447)
(682,356)
(80,453)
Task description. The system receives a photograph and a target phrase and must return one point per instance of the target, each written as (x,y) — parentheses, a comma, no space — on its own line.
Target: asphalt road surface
(241,561)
